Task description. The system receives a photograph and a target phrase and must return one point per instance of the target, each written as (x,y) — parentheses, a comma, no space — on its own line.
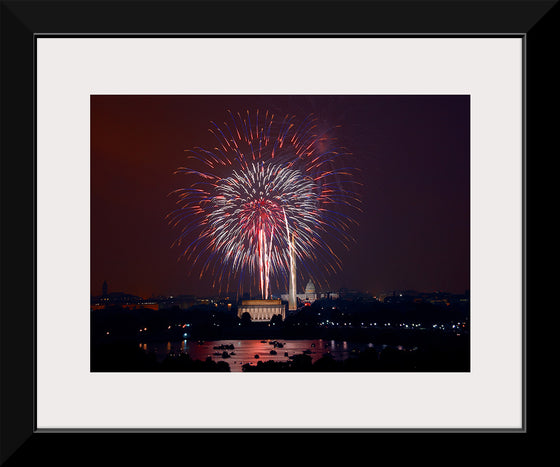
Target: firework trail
(269,185)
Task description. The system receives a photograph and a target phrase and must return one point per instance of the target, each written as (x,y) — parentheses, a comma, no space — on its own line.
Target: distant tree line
(209,322)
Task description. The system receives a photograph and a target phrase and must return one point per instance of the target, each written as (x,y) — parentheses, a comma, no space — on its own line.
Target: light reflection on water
(252,350)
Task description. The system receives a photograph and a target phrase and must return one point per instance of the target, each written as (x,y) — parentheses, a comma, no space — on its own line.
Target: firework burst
(270,186)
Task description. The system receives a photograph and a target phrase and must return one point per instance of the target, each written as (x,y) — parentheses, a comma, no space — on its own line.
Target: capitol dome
(310,288)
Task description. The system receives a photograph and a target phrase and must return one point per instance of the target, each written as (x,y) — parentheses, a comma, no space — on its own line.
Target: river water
(252,350)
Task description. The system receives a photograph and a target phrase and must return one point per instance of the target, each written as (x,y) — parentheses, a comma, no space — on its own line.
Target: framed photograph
(224,230)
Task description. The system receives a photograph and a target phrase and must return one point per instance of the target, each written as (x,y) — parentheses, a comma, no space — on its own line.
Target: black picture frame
(22,22)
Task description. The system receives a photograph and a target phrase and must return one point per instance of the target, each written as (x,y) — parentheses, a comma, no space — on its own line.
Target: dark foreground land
(435,339)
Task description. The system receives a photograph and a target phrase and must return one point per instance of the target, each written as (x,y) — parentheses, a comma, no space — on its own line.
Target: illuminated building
(309,295)
(262,310)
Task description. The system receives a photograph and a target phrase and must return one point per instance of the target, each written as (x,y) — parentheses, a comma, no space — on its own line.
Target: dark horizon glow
(413,153)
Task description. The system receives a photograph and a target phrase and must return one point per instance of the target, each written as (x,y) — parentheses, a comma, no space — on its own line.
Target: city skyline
(412,151)
(105,291)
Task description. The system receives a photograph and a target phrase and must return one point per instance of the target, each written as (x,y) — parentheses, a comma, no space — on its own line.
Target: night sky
(414,157)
